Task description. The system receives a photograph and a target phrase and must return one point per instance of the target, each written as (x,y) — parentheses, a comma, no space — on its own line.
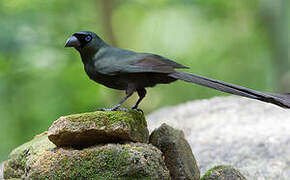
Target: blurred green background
(245,42)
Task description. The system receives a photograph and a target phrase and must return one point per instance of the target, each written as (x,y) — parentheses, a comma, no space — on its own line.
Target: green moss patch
(40,159)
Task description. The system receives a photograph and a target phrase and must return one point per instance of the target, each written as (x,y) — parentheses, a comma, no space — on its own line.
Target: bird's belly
(143,80)
(109,81)
(121,81)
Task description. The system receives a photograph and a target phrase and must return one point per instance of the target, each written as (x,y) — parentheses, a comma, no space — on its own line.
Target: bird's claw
(106,109)
(136,109)
(116,108)
(113,109)
(123,109)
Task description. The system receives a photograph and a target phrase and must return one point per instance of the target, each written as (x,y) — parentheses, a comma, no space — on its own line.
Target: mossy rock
(23,157)
(222,172)
(40,159)
(87,129)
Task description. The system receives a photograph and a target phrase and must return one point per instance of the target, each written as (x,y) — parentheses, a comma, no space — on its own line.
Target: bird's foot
(113,109)
(123,109)
(137,109)
(107,109)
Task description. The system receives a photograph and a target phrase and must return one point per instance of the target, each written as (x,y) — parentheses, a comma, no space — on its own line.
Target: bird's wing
(141,63)
(155,63)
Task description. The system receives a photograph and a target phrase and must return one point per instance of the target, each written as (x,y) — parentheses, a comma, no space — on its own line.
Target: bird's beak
(72,42)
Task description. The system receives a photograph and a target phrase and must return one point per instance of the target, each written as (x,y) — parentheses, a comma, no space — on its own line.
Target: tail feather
(282,100)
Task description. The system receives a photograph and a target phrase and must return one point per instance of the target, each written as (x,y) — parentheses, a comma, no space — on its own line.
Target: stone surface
(87,129)
(41,159)
(22,158)
(178,155)
(1,170)
(252,136)
(223,173)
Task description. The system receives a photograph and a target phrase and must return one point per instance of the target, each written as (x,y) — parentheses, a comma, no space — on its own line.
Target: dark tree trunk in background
(107,9)
(285,43)
(275,16)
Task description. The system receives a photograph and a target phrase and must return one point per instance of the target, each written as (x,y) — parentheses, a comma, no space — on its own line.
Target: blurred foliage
(243,42)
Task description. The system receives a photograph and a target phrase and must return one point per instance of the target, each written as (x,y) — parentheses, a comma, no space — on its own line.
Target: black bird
(130,71)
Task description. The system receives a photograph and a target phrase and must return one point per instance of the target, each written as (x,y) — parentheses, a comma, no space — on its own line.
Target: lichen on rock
(87,129)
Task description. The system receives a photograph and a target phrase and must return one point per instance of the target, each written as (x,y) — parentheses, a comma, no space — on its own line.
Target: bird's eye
(88,38)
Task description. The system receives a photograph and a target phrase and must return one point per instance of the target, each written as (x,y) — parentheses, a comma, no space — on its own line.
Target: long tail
(282,100)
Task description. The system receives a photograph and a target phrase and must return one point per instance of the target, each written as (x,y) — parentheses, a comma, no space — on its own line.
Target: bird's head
(85,41)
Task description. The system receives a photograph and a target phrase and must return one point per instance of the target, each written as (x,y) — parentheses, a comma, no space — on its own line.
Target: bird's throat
(87,54)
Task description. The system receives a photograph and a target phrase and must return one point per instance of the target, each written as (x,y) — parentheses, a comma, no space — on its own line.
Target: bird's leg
(129,93)
(141,93)
(122,101)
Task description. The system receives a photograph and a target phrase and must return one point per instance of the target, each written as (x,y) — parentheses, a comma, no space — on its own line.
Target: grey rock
(87,129)
(251,136)
(1,170)
(177,152)
(41,159)
(223,173)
